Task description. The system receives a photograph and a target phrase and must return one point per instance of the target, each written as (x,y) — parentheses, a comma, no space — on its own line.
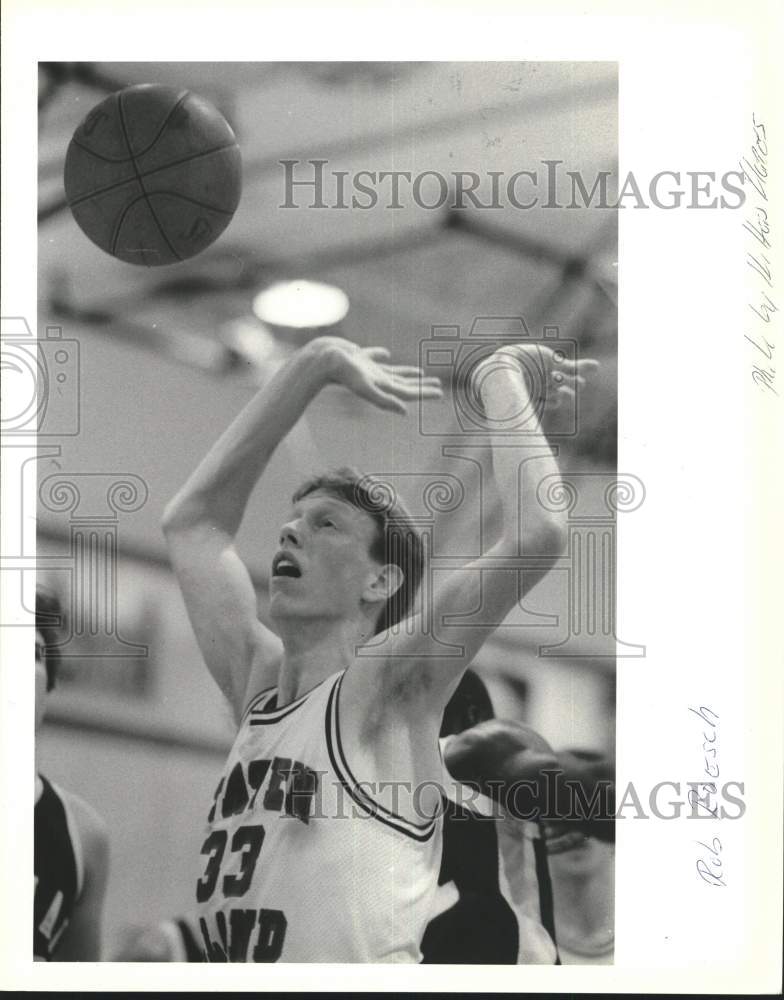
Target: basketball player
(485,916)
(545,801)
(482,914)
(582,864)
(71,847)
(288,871)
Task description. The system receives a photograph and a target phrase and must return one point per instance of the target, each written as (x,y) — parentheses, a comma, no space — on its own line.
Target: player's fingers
(376,353)
(584,365)
(406,370)
(565,378)
(412,380)
(386,400)
(416,380)
(414,390)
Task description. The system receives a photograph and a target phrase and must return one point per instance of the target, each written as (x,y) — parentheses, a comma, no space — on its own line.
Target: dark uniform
(58,872)
(481,927)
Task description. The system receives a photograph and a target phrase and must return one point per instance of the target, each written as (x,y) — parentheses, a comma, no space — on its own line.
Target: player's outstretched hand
(368,373)
(497,754)
(547,371)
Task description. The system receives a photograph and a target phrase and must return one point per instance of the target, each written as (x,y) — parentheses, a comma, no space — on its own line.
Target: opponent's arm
(202,521)
(516,767)
(82,939)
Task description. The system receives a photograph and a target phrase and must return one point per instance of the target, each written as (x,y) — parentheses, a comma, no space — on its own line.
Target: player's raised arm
(528,529)
(202,521)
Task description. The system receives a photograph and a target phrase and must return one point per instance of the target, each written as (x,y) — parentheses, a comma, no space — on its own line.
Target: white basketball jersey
(299,863)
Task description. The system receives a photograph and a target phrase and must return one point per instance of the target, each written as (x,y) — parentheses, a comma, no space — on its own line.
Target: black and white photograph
(352,512)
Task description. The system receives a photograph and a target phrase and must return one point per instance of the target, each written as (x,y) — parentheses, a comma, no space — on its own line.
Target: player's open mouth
(285,565)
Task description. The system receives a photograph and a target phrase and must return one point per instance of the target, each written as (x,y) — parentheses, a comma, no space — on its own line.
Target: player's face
(323,565)
(40,680)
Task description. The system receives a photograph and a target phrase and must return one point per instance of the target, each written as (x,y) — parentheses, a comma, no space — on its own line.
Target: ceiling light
(301,305)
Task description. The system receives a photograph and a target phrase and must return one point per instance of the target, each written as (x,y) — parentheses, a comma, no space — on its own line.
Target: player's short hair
(49,621)
(397,541)
(468,706)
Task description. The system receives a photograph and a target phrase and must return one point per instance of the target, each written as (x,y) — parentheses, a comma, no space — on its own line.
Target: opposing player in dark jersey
(335,704)
(478,924)
(71,847)
(503,910)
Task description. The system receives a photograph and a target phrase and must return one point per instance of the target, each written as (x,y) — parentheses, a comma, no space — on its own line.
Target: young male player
(288,871)
(71,845)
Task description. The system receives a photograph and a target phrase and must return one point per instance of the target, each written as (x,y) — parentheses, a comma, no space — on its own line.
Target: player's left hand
(369,374)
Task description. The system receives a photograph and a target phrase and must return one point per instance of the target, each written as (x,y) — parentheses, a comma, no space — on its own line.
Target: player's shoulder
(91,826)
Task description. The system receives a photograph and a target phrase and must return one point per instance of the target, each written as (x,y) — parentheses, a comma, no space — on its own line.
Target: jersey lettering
(274,797)
(288,787)
(234,939)
(272,934)
(257,772)
(302,792)
(211,815)
(248,841)
(214,846)
(236,798)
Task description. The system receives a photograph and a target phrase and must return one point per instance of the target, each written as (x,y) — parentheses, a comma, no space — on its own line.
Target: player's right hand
(367,372)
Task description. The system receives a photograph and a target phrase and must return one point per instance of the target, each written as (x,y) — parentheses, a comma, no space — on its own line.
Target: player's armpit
(241,654)
(410,674)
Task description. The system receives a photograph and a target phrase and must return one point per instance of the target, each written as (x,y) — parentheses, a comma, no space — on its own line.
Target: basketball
(153,175)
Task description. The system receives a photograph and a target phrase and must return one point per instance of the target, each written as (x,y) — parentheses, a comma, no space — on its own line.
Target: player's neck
(312,651)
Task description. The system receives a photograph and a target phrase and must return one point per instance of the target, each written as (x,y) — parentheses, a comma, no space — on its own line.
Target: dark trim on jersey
(253,702)
(267,717)
(374,809)
(270,718)
(264,716)
(546,911)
